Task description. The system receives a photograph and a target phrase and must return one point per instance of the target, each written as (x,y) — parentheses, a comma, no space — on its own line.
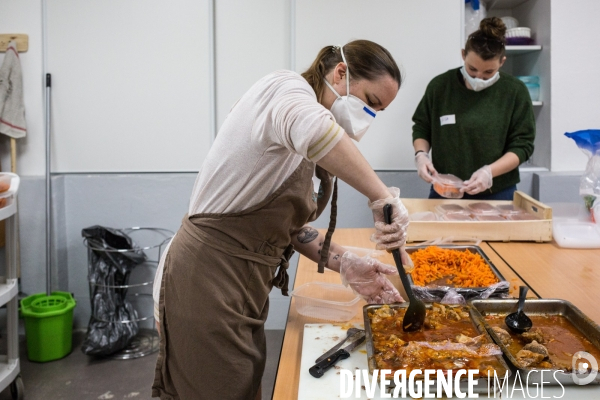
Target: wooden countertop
(555,272)
(286,385)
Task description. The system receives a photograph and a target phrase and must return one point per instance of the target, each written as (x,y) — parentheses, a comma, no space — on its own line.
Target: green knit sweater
(487,125)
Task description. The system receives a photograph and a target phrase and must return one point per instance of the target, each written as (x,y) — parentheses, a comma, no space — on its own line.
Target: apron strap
(282,279)
(332,221)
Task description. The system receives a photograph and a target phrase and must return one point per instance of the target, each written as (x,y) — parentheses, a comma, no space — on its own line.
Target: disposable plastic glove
(390,236)
(480,181)
(366,276)
(425,167)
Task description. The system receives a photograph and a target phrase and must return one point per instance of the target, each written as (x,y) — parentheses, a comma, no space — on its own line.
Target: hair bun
(493,27)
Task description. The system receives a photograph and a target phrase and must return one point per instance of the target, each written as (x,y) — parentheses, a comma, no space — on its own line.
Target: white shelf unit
(531,60)
(10,366)
(519,50)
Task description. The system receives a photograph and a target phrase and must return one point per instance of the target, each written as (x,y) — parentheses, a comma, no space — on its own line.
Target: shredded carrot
(462,268)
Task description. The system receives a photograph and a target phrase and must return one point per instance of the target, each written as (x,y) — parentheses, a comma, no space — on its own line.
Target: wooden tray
(539,230)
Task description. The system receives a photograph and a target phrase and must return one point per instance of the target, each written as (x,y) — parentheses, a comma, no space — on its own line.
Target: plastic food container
(457,217)
(524,216)
(326,301)
(519,32)
(510,22)
(5,199)
(490,218)
(576,234)
(447,185)
(483,209)
(423,216)
(451,209)
(4,182)
(507,209)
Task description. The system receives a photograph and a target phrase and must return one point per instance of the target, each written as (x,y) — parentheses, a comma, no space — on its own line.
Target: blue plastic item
(474,4)
(529,78)
(588,139)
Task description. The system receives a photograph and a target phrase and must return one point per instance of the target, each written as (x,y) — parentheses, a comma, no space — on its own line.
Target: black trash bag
(107,330)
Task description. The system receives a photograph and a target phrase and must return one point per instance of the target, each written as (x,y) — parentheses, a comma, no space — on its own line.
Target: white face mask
(479,84)
(351,112)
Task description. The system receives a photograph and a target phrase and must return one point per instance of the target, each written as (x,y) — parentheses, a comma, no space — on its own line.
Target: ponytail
(366,60)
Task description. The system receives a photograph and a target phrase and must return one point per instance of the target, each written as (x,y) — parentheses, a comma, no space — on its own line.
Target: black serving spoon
(518,322)
(415,313)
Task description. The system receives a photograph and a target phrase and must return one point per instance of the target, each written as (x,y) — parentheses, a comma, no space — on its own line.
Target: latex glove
(480,180)
(425,167)
(390,236)
(366,276)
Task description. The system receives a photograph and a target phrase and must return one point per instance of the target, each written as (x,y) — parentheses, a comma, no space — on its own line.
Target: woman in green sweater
(478,121)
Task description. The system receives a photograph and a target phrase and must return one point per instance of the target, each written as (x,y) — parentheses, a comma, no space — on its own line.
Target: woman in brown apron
(221,266)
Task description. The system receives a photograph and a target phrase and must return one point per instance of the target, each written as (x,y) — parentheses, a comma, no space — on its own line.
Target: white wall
(130,85)
(105,109)
(25,16)
(253,39)
(575,78)
(424,39)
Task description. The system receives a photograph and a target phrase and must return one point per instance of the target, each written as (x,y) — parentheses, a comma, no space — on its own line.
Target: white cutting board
(318,338)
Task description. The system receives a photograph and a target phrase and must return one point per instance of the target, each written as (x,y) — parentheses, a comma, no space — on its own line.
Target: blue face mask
(479,84)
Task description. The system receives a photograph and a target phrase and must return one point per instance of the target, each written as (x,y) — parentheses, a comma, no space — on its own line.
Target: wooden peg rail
(21,39)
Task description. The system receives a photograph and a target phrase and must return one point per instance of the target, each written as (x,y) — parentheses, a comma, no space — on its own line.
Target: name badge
(447,119)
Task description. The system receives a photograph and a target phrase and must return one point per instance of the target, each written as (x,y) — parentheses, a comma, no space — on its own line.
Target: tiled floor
(80,377)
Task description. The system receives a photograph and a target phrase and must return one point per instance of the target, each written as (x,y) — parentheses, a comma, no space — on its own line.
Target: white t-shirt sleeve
(300,123)
(158,280)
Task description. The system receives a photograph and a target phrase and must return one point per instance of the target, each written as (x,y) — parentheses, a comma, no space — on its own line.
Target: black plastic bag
(113,321)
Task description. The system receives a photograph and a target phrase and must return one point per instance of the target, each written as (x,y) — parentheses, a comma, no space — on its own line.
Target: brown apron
(214,295)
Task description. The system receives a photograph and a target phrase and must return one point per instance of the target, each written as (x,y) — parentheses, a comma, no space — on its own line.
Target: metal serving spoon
(518,322)
(415,313)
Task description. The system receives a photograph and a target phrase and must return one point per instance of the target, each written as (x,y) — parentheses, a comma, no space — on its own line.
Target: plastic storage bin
(534,91)
(326,301)
(529,78)
(48,325)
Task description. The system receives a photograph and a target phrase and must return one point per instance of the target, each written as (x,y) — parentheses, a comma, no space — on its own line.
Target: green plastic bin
(48,325)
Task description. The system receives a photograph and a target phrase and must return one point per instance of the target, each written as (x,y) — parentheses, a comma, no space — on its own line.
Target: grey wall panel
(161,200)
(553,187)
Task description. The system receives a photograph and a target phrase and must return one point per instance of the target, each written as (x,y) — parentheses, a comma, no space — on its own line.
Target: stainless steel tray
(480,384)
(564,308)
(467,293)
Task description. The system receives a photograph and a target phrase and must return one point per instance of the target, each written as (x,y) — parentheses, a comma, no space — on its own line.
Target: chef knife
(354,341)
(329,352)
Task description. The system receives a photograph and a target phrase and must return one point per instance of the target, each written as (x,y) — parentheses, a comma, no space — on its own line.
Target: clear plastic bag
(474,12)
(449,295)
(589,186)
